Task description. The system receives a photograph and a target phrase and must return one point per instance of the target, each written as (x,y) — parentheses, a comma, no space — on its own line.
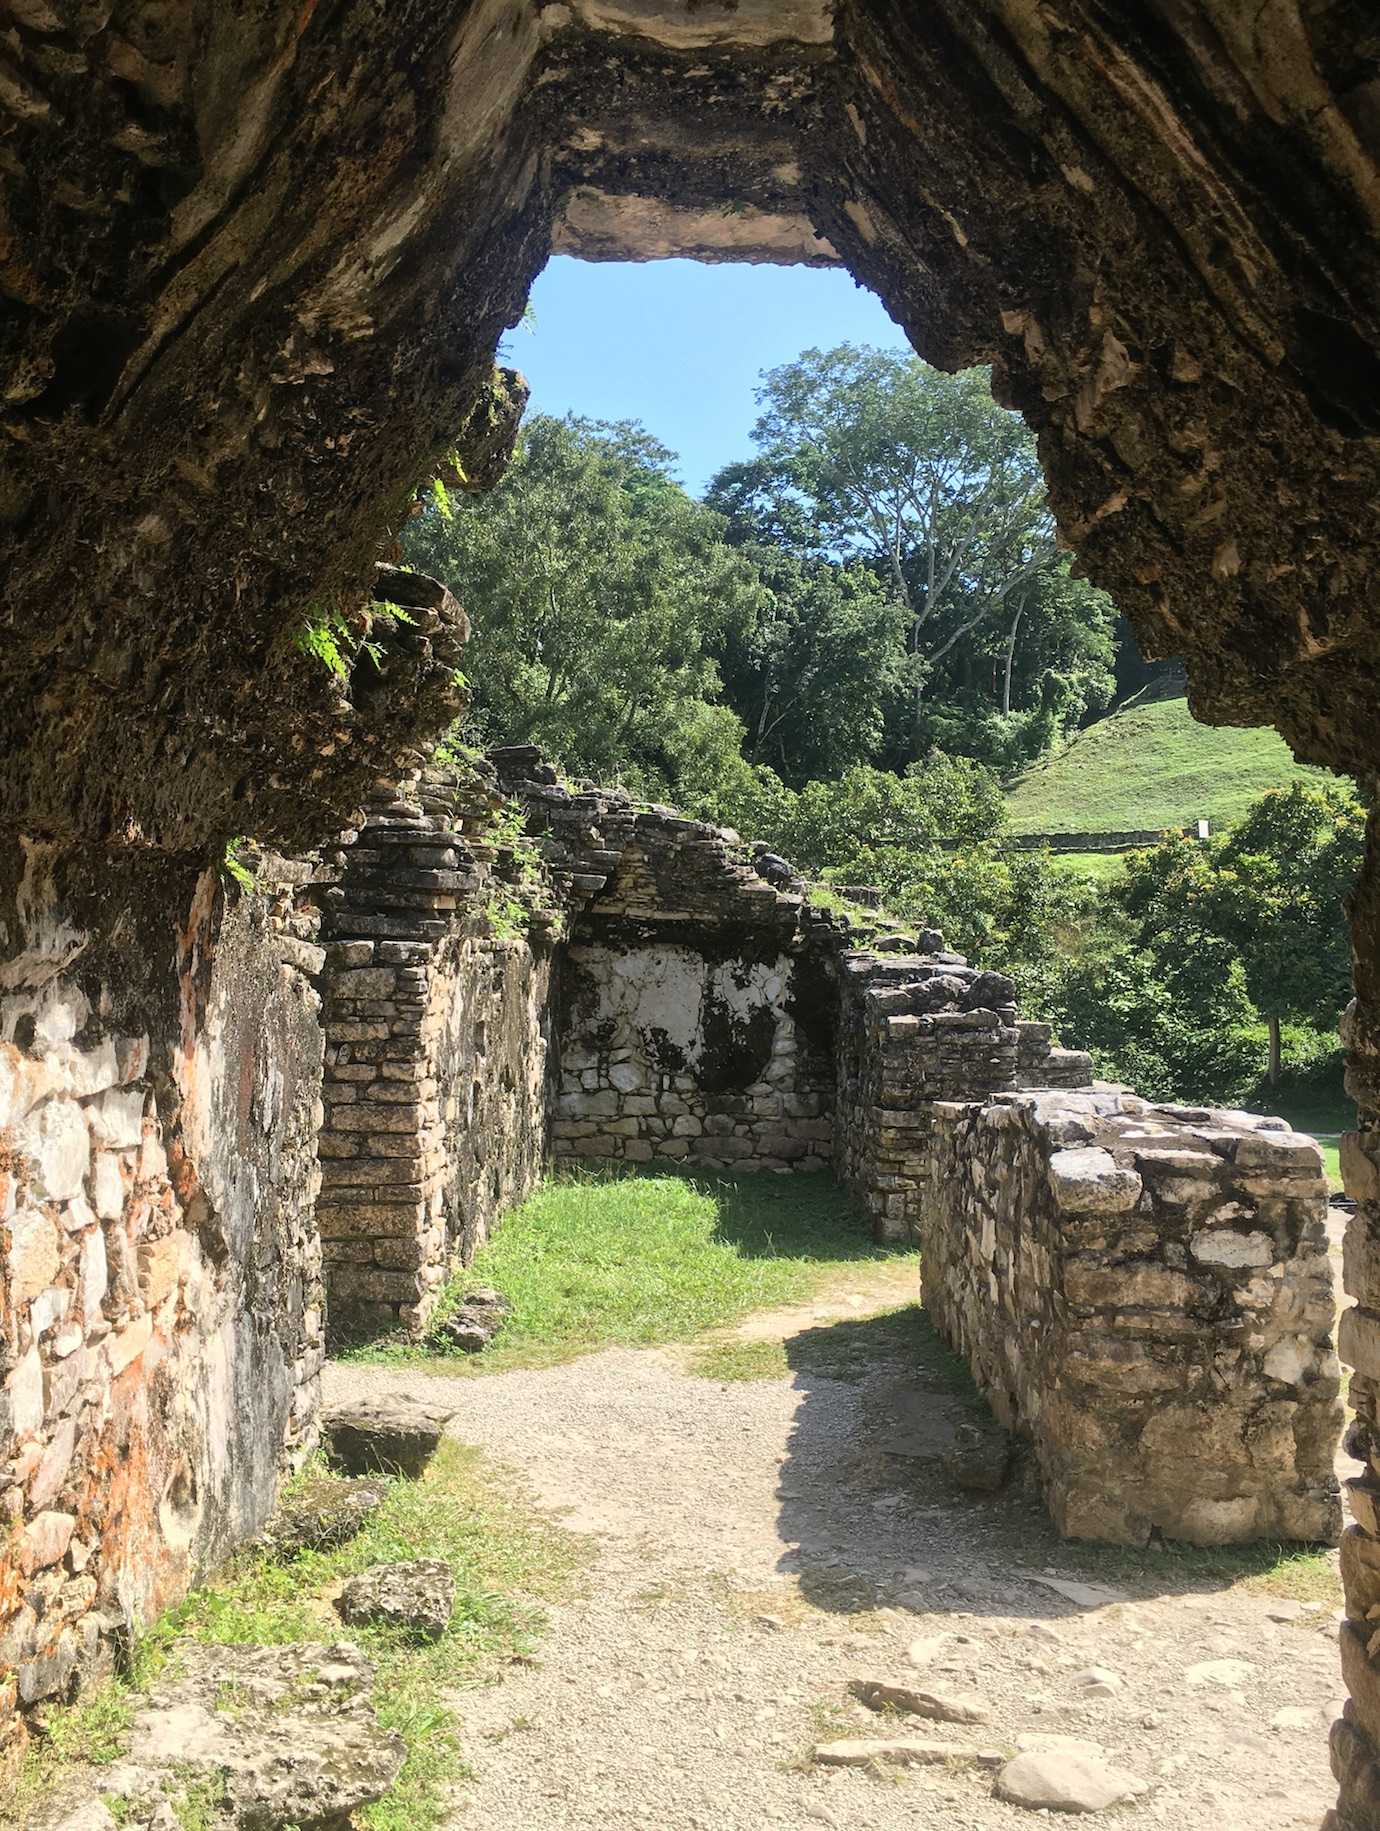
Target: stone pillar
(912,1030)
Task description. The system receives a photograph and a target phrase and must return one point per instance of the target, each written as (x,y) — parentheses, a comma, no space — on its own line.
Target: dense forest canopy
(842,651)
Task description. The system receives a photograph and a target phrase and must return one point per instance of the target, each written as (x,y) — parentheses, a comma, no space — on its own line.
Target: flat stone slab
(940,1706)
(895,1751)
(322,1514)
(385,1435)
(287,1734)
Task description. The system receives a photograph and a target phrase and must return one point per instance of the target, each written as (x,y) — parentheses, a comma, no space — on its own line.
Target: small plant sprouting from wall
(522,890)
(238,865)
(329,637)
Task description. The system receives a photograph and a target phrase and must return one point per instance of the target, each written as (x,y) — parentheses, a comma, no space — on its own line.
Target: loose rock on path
(762,1554)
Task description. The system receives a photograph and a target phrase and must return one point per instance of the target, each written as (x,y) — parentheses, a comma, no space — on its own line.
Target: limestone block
(1362,1677)
(1358,1341)
(127,1344)
(34,1256)
(48,1477)
(1089,1181)
(1290,1151)
(1232,1251)
(117,1118)
(160,1264)
(1361,1169)
(1360,1572)
(24,1394)
(626,1078)
(108,1185)
(44,1541)
(1097,1284)
(54,1137)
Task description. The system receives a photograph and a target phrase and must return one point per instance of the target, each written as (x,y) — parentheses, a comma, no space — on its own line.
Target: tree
(868,455)
(597,588)
(1272,891)
(814,676)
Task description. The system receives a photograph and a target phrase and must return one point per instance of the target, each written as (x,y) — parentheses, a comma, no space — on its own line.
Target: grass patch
(505,1563)
(1102,869)
(601,1260)
(740,1360)
(1307,1573)
(1151,765)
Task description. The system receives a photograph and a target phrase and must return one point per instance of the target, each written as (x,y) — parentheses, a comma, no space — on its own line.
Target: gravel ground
(756,1546)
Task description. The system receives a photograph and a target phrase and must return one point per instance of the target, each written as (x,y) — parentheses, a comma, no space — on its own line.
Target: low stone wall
(160,1311)
(1144,1291)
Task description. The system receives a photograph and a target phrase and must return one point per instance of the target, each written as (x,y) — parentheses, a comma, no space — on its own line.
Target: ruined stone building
(255,264)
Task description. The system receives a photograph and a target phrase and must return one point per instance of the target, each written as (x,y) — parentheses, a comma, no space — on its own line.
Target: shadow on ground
(900,1491)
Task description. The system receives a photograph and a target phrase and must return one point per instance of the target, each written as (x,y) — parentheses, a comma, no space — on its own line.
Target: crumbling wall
(915,1028)
(1144,1291)
(161,1304)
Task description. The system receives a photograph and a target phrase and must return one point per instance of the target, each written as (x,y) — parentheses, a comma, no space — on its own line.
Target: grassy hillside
(1151,765)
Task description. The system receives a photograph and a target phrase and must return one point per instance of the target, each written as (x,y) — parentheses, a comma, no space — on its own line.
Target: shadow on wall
(901,1491)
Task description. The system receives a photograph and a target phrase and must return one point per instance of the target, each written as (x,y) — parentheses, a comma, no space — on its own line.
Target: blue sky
(680,346)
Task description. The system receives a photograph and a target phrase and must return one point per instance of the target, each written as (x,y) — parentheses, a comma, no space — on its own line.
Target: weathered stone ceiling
(255,261)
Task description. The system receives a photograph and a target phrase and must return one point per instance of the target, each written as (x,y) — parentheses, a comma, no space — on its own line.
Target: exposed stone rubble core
(1145,1291)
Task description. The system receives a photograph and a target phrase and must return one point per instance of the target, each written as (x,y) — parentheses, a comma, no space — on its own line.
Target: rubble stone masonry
(1145,1292)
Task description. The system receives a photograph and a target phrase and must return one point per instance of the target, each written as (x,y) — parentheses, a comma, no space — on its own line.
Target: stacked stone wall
(1144,1291)
(914,1029)
(437,1030)
(160,1331)
(683,1044)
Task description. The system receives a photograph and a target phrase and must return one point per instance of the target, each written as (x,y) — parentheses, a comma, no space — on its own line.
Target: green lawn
(593,1261)
(1152,765)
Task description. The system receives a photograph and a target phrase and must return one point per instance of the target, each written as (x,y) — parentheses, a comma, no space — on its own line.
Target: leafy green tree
(814,676)
(868,455)
(597,589)
(1173,1024)
(1272,892)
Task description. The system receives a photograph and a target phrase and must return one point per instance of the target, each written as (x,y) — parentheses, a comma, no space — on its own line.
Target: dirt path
(758,1544)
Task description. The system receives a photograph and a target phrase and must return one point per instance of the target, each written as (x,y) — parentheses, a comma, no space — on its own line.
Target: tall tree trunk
(1273,1024)
(1010,658)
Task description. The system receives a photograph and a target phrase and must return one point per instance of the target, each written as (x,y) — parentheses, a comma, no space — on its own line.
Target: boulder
(389,1435)
(322,1514)
(1064,1780)
(418,1595)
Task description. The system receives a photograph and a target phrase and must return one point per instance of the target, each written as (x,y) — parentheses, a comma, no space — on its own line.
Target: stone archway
(256,268)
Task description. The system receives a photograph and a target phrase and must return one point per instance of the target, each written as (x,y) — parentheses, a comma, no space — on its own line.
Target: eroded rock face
(257,266)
